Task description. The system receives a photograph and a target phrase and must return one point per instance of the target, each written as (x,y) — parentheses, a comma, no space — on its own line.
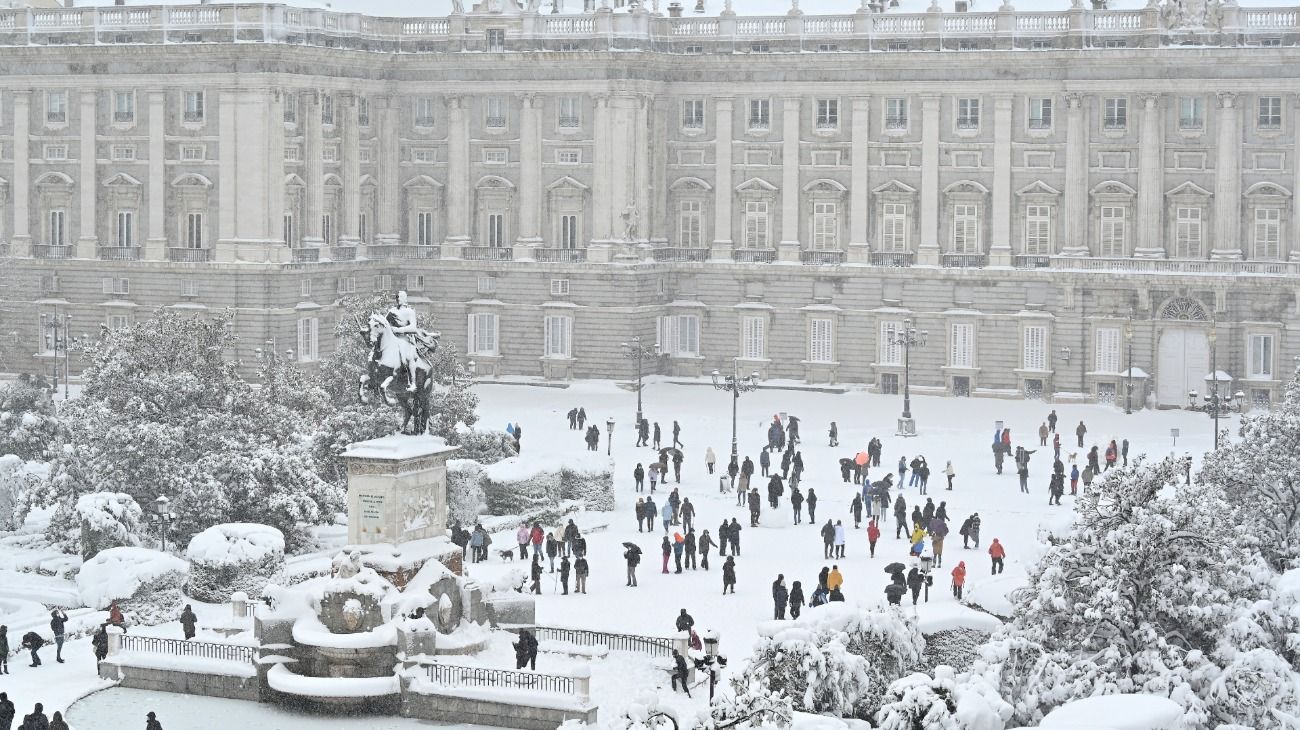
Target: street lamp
(907,338)
(735,385)
(1216,404)
(162,517)
(61,340)
(1128,341)
(636,351)
(609,435)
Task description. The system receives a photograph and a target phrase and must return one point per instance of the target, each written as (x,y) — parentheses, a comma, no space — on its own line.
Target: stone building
(1055,197)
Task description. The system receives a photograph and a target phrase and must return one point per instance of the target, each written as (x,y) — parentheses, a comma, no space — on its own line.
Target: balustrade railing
(119,253)
(678,254)
(652,645)
(306,255)
(188,255)
(343,253)
(821,258)
(1028,261)
(964,260)
(1181,266)
(897,259)
(43,251)
(753,255)
(403,251)
(560,255)
(190,648)
(451,675)
(486,253)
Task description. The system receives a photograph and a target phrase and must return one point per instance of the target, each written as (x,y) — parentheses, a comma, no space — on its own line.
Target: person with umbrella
(846,469)
(862,460)
(632,554)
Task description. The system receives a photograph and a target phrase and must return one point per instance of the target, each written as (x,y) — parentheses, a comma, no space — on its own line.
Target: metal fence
(652,645)
(450,675)
(180,647)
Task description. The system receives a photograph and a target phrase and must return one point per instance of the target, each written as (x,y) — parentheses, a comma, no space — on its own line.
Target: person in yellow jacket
(834,580)
(917,534)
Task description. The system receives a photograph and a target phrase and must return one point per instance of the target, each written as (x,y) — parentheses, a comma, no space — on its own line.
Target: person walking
(833,579)
(151,720)
(525,650)
(998,554)
(552,550)
(1022,471)
(523,536)
(755,507)
(640,514)
(764,462)
(796,502)
(565,568)
(704,544)
(632,555)
(99,643)
(710,459)
(729,575)
(188,622)
(1056,447)
(1112,454)
(834,435)
(1051,421)
(828,539)
(900,517)
(690,549)
(796,599)
(57,723)
(666,514)
(786,458)
(33,642)
(667,548)
(873,534)
(735,537)
(37,720)
(780,597)
(1079,431)
(902,471)
(1074,479)
(1043,433)
(684,622)
(915,581)
(580,572)
(949,472)
(811,502)
(536,572)
(687,513)
(677,435)
(658,436)
(536,536)
(958,579)
(4,650)
(855,508)
(839,539)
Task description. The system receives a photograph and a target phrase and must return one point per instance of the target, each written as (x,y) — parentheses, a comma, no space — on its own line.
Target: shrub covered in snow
(919,701)
(233,557)
(465,497)
(17,479)
(485,447)
(517,486)
(145,583)
(108,520)
(956,648)
(28,424)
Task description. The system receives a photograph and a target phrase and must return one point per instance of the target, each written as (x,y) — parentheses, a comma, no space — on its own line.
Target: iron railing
(451,675)
(964,260)
(898,259)
(188,255)
(678,254)
(1027,261)
(306,255)
(652,645)
(486,253)
(42,251)
(343,253)
(400,251)
(119,253)
(821,258)
(181,647)
(560,255)
(753,255)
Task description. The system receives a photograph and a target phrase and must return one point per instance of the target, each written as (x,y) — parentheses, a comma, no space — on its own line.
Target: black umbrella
(637,549)
(891,568)
(846,462)
(669,452)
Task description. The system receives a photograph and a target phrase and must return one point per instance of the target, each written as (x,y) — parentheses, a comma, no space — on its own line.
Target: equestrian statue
(399,367)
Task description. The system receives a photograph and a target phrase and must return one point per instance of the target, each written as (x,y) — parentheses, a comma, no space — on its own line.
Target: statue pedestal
(397,489)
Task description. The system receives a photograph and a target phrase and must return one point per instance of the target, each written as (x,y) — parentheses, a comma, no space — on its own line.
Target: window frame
(1115,114)
(753,337)
(194,106)
(476,336)
(760,116)
(1265,359)
(821,340)
(1193,119)
(1108,346)
(1268,113)
(1033,348)
(693,115)
(1041,115)
(557,336)
(968,113)
(826,113)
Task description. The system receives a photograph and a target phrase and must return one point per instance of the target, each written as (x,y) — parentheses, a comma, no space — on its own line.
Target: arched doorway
(1183,359)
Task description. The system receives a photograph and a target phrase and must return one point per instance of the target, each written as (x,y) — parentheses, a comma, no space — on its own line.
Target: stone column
(859,185)
(88,185)
(1076,177)
(660,217)
(313,170)
(458,199)
(1227,180)
(600,194)
(156,243)
(790,118)
(619,143)
(1295,186)
(641,163)
(722,184)
(274,176)
(21,187)
(1000,251)
(227,186)
(350,221)
(387,167)
(1151,177)
(928,251)
(531,195)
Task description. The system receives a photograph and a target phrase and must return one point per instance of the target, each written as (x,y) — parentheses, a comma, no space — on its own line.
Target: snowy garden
(1147,600)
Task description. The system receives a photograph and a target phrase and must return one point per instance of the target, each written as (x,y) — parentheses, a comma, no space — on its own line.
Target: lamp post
(1215,404)
(609,436)
(636,351)
(907,338)
(61,339)
(1128,342)
(735,385)
(162,517)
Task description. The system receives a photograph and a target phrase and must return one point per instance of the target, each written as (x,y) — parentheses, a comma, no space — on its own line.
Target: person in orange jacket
(998,553)
(958,579)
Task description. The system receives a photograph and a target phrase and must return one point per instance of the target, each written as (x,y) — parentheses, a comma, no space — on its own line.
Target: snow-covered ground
(959,430)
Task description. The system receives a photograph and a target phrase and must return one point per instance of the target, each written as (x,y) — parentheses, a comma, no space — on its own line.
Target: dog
(1073,458)
(506,554)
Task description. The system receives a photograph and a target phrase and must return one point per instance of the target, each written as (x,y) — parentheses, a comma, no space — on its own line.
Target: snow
(529,698)
(519,468)
(235,542)
(1289,583)
(283,680)
(193,664)
(1115,712)
(119,572)
(309,630)
(952,616)
(397,448)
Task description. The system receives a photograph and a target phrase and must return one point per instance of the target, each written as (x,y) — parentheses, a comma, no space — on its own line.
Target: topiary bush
(235,556)
(145,583)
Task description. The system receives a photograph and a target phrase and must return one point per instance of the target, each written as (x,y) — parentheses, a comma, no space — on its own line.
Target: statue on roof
(1192,14)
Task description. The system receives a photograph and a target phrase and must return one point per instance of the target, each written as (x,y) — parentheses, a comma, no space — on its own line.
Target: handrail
(454,675)
(180,647)
(652,645)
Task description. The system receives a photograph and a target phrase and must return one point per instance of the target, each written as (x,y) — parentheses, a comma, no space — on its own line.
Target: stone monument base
(397,489)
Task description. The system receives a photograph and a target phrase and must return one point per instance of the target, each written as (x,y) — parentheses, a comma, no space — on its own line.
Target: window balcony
(569,122)
(676,255)
(693,124)
(56,118)
(396,251)
(1039,124)
(188,255)
(496,122)
(895,122)
(43,251)
(753,255)
(486,253)
(826,125)
(124,117)
(343,253)
(1115,125)
(894,259)
(968,124)
(759,125)
(560,255)
(1031,261)
(118,253)
(193,117)
(821,258)
(306,255)
(964,261)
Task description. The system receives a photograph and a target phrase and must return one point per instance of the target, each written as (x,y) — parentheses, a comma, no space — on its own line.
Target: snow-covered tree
(28,425)
(749,703)
(919,702)
(108,520)
(1260,476)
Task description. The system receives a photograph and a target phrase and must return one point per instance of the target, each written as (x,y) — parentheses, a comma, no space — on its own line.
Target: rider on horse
(403,322)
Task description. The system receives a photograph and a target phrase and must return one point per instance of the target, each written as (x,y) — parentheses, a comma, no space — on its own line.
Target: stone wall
(180,682)
(450,706)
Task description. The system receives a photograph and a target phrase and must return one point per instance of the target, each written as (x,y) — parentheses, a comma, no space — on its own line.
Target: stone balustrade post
(114,640)
(582,682)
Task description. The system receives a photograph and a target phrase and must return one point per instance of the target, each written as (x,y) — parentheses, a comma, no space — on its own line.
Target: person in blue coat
(667,514)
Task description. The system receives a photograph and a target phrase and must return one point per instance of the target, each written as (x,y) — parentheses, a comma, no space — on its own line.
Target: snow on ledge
(1121,712)
(936,617)
(397,447)
(309,630)
(190,664)
(283,680)
(522,697)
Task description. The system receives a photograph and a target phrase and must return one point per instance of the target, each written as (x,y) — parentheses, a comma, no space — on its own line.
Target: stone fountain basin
(331,690)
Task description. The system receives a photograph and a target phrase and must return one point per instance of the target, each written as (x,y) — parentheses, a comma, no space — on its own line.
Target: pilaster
(530,171)
(156,243)
(601,215)
(928,251)
(1294,231)
(226,184)
(620,142)
(1150,202)
(641,162)
(457,171)
(313,170)
(387,166)
(1076,177)
(21,188)
(350,216)
(273,172)
(87,240)
(1000,244)
(859,234)
(722,184)
(658,216)
(790,170)
(1227,180)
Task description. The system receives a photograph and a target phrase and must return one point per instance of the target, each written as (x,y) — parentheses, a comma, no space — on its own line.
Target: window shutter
(660,331)
(1035,348)
(472,338)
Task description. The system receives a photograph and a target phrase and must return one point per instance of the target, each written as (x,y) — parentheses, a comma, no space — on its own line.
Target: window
(496,39)
(828,114)
(559,287)
(569,112)
(965,229)
(757,227)
(304,288)
(827,47)
(50,284)
(308,334)
(896,113)
(569,231)
(760,113)
(363,227)
(290,109)
(289,229)
(760,47)
(125,228)
(424,228)
(189,288)
(693,114)
(56,107)
(568,157)
(1191,112)
(415,282)
(1116,113)
(821,340)
(1115,43)
(968,114)
(1038,230)
(1107,349)
(1114,231)
(423,154)
(690,224)
(346,284)
(118,321)
(559,332)
(1187,233)
(1040,113)
(496,230)
(423,112)
(1261,357)
(327,228)
(124,107)
(56,152)
(119,286)
(383,282)
(327,109)
(826,226)
(329,153)
(693,49)
(891,353)
(123,153)
(1270,112)
(193,111)
(893,227)
(753,341)
(679,335)
(487,285)
(496,113)
(483,334)
(1268,233)
(56,232)
(1034,348)
(363,111)
(897,46)
(496,155)
(962,345)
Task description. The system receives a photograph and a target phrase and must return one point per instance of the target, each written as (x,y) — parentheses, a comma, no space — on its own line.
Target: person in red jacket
(873,534)
(537,537)
(958,579)
(1112,454)
(998,553)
